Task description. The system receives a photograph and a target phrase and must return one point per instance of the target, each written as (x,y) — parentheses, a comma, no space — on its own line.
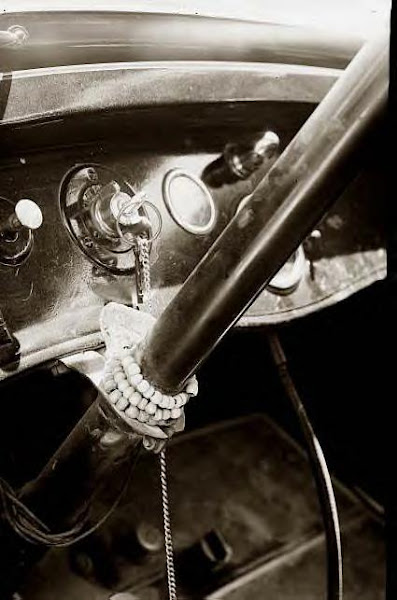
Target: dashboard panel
(144,122)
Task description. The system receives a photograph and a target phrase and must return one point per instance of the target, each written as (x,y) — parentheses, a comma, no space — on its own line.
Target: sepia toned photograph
(197,264)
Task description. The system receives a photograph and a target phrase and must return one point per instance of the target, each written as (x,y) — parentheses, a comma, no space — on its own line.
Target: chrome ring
(178,218)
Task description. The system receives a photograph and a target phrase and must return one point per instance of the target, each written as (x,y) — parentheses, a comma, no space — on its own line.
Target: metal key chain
(144,297)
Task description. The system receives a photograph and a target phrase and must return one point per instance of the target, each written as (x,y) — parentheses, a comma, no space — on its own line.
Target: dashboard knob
(16,230)
(26,214)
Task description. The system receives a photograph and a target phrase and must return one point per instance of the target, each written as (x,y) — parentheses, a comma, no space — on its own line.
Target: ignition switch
(104,215)
(116,214)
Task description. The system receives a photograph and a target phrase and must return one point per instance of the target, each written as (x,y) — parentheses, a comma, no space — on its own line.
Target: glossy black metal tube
(308,176)
(67,484)
(61,496)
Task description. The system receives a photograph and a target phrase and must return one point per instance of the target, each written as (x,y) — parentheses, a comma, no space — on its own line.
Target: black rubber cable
(320,473)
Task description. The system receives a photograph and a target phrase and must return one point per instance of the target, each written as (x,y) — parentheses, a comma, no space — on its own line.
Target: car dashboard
(151,122)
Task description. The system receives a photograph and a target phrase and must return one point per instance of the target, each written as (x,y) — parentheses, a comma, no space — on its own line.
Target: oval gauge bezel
(179,220)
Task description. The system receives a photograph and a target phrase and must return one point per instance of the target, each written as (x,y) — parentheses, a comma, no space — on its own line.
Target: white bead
(163,402)
(135,398)
(123,385)
(176,413)
(142,416)
(151,408)
(133,369)
(182,399)
(136,379)
(127,361)
(128,392)
(132,412)
(171,402)
(178,400)
(143,403)
(119,376)
(166,414)
(122,403)
(166,402)
(149,392)
(158,415)
(156,398)
(109,385)
(114,396)
(143,386)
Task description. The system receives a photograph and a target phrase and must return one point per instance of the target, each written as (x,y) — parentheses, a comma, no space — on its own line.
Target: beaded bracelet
(136,398)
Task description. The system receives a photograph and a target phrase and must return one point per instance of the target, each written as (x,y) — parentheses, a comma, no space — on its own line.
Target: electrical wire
(28,526)
(320,473)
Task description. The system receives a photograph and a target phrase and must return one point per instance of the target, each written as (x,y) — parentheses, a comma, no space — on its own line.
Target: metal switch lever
(239,161)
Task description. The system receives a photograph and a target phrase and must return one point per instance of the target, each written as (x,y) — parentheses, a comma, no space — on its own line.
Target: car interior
(193,300)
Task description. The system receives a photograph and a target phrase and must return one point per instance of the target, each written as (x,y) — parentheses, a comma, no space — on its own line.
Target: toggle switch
(16,230)
(240,160)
